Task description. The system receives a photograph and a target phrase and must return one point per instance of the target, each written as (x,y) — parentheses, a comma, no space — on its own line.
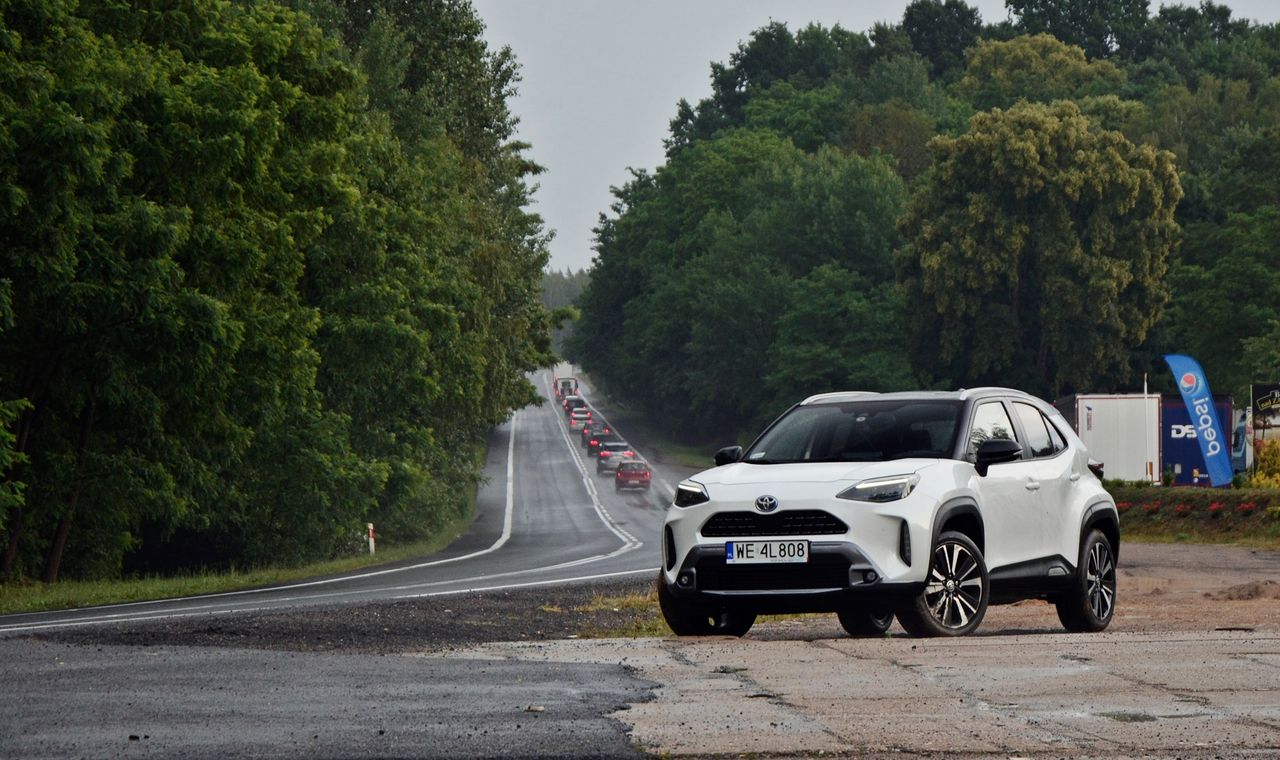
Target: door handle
(1033,485)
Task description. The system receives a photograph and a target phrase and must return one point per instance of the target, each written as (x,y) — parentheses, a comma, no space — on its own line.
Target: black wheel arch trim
(1099,514)
(959,507)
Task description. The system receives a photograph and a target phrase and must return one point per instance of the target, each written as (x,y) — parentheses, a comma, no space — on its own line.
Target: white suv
(924,505)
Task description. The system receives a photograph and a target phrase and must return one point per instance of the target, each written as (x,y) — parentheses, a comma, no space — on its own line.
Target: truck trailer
(1120,430)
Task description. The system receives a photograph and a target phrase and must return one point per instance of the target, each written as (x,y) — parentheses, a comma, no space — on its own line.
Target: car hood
(743,473)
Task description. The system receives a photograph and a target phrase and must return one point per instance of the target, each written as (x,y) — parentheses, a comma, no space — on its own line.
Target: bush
(1198,513)
(1266,458)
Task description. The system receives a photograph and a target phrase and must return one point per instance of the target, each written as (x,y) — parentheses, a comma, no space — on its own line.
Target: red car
(632,475)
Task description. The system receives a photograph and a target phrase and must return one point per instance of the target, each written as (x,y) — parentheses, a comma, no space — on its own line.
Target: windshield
(866,430)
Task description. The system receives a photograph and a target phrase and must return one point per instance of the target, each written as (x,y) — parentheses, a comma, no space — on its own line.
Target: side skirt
(1034,579)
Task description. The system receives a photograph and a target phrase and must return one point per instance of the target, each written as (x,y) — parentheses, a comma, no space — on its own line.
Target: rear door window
(1040,441)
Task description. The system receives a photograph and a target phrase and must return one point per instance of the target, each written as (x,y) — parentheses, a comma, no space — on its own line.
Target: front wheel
(865,621)
(1091,602)
(956,591)
(690,619)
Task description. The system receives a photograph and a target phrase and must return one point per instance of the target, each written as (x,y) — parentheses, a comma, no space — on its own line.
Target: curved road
(543,517)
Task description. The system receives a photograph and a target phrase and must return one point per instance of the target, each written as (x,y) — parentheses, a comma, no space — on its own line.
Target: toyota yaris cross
(927,506)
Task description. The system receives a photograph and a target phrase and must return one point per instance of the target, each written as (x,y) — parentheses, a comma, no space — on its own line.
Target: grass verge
(638,617)
(34,596)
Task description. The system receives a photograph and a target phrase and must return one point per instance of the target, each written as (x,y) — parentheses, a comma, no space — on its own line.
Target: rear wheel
(690,619)
(866,621)
(1091,602)
(956,591)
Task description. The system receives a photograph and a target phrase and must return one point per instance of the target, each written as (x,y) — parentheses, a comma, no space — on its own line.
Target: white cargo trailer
(1120,430)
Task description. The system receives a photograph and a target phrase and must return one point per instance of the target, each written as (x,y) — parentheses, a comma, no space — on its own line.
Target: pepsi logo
(1189,383)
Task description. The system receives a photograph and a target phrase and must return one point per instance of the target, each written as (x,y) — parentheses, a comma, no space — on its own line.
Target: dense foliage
(1051,202)
(267,275)
(560,290)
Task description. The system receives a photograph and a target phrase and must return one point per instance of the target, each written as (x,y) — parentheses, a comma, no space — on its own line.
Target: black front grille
(799,522)
(820,572)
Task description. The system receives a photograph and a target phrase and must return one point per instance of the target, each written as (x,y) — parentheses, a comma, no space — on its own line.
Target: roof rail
(838,396)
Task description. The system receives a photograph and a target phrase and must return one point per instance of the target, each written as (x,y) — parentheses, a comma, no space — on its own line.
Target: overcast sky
(601,79)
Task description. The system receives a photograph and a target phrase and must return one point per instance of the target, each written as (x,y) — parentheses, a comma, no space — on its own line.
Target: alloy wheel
(953,593)
(1100,577)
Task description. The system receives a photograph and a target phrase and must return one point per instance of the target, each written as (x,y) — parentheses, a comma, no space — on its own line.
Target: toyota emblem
(766,503)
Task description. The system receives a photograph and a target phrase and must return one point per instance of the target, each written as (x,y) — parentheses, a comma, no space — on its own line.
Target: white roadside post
(371,538)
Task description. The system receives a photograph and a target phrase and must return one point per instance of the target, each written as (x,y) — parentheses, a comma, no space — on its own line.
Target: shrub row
(1172,505)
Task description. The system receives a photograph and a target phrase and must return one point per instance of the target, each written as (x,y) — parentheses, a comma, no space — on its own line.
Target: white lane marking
(629,541)
(502,540)
(530,584)
(671,492)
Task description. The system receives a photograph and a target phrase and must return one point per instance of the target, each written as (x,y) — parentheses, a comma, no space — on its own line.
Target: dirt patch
(426,625)
(1248,591)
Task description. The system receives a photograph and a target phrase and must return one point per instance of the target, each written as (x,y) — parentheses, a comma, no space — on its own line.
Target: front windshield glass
(866,430)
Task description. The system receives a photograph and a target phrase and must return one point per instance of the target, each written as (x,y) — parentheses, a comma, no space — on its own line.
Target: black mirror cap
(728,455)
(995,451)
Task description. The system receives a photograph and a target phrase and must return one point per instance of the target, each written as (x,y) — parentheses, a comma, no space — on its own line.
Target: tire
(617,486)
(1091,603)
(689,619)
(861,622)
(956,593)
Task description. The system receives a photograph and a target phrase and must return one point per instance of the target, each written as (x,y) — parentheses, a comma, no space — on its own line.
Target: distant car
(573,402)
(579,418)
(593,445)
(596,428)
(632,475)
(612,453)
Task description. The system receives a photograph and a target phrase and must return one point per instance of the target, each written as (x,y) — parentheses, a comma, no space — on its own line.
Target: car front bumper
(838,574)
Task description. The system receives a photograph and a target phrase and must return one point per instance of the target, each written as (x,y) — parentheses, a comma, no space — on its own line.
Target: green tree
(1102,27)
(1226,295)
(701,259)
(840,332)
(1038,68)
(941,31)
(1037,251)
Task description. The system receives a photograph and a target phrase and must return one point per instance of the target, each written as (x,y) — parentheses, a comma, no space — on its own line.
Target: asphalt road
(543,517)
(195,702)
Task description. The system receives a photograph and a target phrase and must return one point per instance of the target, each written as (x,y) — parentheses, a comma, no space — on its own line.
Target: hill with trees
(1050,202)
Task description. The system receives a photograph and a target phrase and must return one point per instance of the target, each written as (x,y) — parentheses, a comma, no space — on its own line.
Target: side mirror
(728,455)
(996,451)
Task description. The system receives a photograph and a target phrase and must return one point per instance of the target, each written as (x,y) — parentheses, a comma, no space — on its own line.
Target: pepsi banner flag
(1194,387)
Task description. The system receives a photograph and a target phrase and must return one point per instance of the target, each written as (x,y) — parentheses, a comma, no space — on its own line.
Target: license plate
(759,552)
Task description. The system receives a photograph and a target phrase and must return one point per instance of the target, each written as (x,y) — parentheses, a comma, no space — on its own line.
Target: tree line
(1050,202)
(268,274)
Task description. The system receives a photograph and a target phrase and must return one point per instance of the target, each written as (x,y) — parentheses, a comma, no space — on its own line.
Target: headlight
(881,489)
(690,493)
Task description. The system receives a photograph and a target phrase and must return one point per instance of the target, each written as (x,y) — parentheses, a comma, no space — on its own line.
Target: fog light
(870,576)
